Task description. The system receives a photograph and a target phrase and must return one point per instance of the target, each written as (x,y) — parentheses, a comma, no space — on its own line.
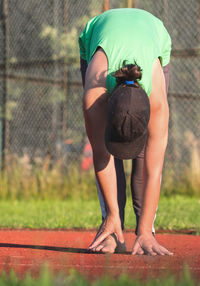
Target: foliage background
(45,133)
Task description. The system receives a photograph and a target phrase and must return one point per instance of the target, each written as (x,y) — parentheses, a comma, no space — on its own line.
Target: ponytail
(130,72)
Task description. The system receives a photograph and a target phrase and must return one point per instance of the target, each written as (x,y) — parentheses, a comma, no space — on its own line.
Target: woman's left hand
(111,224)
(147,244)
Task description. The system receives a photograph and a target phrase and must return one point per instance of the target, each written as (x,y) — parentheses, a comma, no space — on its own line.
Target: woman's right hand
(111,224)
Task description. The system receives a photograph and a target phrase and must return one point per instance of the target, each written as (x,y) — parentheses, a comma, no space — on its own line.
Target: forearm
(108,184)
(153,165)
(149,206)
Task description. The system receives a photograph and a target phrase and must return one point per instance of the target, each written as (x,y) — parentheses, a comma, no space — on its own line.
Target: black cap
(128,113)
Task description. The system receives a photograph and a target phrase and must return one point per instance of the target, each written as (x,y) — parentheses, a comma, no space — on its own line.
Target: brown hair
(128,72)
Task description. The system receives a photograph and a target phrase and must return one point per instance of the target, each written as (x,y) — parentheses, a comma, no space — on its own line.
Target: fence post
(56,104)
(105,5)
(131,3)
(65,79)
(4,8)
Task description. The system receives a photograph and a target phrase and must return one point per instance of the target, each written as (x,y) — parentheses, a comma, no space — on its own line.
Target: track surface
(62,250)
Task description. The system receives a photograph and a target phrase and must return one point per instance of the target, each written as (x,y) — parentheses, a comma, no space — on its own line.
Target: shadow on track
(55,248)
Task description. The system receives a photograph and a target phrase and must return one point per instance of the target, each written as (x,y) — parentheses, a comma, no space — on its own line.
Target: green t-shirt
(128,34)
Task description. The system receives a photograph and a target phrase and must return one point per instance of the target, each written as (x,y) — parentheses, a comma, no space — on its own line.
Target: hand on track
(111,224)
(147,244)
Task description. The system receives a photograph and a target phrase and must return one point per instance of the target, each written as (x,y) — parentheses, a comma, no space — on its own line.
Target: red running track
(24,250)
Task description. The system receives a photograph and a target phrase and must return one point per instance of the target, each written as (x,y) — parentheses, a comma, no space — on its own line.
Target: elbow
(101,159)
(160,115)
(160,107)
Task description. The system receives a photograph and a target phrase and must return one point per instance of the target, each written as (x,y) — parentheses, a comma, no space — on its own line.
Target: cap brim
(125,150)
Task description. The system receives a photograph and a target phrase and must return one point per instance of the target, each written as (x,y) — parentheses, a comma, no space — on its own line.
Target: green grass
(174,213)
(46,278)
(43,179)
(22,180)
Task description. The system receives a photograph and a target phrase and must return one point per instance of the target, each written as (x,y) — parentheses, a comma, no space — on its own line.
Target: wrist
(144,230)
(113,212)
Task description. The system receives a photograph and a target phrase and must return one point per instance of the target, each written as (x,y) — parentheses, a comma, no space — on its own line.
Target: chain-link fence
(40,83)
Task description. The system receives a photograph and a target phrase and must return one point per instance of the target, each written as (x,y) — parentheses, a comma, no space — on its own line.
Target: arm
(155,148)
(153,164)
(94,107)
